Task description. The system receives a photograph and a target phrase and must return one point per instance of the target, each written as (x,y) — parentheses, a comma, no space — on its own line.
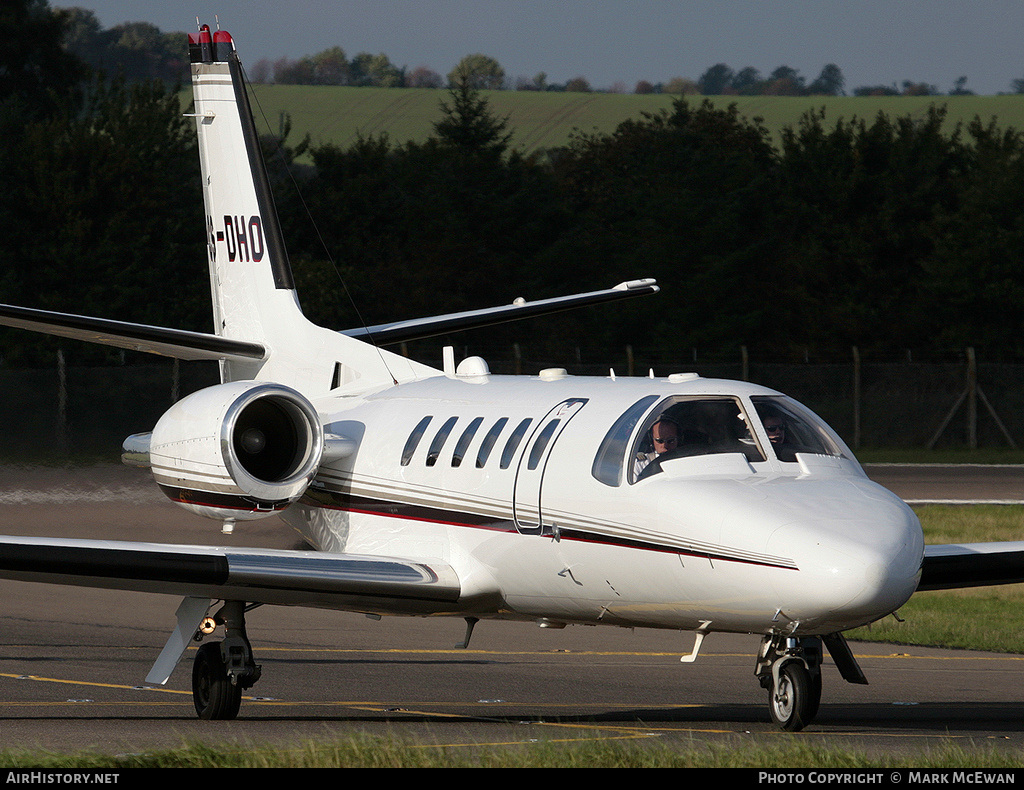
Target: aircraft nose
(852,571)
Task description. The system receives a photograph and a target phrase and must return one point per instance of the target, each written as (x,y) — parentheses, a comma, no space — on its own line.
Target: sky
(874,42)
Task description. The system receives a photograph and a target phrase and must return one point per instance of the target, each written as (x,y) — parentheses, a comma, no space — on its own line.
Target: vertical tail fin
(251,277)
(253,292)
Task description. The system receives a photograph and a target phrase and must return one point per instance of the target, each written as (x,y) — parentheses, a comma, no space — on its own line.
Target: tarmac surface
(72,661)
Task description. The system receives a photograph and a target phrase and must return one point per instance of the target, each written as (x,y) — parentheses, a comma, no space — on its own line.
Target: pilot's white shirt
(641,461)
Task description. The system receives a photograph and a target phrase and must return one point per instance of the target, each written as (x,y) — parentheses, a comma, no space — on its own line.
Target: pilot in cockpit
(664,437)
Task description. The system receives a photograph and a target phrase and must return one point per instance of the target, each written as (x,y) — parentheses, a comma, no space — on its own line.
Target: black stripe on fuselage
(334,500)
(607,540)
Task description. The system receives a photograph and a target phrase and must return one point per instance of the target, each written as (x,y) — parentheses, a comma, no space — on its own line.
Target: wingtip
(636,285)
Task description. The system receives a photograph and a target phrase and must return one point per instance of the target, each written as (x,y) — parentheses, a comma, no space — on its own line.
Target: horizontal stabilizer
(176,343)
(419,328)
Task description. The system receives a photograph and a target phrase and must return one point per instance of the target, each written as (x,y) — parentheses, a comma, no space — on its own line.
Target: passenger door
(527,510)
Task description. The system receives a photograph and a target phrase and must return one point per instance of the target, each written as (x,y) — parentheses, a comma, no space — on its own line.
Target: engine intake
(237,451)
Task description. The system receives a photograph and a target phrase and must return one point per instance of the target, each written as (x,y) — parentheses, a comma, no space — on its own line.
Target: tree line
(883,233)
(140,50)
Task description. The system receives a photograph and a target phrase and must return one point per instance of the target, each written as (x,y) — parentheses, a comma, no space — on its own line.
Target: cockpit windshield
(685,426)
(689,425)
(793,429)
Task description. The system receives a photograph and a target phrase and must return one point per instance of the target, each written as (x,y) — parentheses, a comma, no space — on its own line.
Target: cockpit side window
(684,426)
(610,455)
(793,429)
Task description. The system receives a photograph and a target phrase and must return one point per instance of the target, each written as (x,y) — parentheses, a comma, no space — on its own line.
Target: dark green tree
(469,125)
(449,224)
(108,219)
(860,211)
(830,82)
(715,80)
(785,81)
(974,271)
(38,78)
(747,81)
(682,196)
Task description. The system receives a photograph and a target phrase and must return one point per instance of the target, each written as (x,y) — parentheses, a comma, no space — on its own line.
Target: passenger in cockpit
(775,427)
(776,430)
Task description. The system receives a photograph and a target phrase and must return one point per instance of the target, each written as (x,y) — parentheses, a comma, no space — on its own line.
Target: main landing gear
(222,670)
(790,669)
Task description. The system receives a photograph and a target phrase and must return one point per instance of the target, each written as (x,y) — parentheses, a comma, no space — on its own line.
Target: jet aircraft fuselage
(523,485)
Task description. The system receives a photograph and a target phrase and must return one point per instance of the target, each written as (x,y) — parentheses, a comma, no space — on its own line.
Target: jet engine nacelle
(237,451)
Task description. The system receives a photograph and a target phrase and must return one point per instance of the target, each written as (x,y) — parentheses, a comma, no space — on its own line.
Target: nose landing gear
(790,669)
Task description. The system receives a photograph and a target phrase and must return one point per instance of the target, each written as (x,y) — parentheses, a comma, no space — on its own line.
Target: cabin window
(513,442)
(488,443)
(684,426)
(608,462)
(414,439)
(541,443)
(793,429)
(439,439)
(463,444)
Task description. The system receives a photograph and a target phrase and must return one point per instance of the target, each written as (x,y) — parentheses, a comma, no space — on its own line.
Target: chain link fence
(69,411)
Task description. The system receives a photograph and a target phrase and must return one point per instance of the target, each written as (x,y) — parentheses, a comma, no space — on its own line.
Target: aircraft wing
(387,585)
(953,566)
(177,343)
(418,328)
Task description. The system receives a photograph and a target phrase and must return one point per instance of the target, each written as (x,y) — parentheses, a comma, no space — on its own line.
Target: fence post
(972,400)
(62,402)
(856,398)
(745,362)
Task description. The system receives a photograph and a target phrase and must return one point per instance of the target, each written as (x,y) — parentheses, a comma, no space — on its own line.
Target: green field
(547,120)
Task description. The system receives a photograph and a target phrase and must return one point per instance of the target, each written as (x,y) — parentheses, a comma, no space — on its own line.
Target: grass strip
(364,751)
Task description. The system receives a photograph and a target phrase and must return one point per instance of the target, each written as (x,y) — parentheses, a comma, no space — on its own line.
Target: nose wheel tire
(793,699)
(214,695)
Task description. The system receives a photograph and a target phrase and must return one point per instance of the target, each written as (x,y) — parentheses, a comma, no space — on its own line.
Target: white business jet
(684,503)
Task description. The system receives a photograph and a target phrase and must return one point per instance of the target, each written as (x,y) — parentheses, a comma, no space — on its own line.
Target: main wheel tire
(793,701)
(214,695)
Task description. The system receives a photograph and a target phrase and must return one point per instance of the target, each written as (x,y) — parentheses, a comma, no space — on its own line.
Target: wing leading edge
(290,578)
(954,566)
